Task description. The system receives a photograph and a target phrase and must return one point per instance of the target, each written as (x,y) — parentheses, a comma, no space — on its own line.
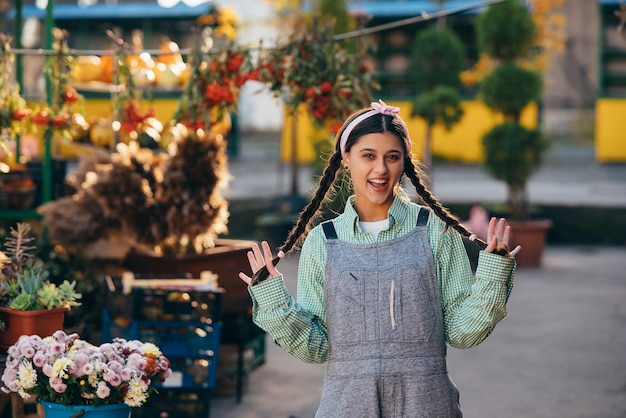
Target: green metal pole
(47,157)
(48,27)
(19,68)
(19,59)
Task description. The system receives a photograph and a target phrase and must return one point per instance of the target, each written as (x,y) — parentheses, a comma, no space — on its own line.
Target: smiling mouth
(378,184)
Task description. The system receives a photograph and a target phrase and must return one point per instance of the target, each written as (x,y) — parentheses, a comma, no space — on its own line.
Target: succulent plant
(24,281)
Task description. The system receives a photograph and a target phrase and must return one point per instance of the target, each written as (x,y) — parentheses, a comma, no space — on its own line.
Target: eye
(368,155)
(393,157)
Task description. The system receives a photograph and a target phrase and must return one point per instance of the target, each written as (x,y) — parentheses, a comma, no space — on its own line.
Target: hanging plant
(312,69)
(59,114)
(13,108)
(212,92)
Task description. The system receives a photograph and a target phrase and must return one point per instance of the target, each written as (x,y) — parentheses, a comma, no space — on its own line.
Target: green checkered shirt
(472,306)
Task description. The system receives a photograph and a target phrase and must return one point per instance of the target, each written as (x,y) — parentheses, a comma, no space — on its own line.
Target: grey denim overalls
(385,329)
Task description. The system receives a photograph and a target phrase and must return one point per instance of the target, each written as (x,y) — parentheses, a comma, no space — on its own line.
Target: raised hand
(498,236)
(259,259)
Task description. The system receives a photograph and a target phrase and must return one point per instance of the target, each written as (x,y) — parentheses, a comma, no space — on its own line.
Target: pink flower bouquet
(66,370)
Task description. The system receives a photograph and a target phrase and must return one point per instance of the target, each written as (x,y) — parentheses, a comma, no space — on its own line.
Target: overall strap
(422,216)
(329,230)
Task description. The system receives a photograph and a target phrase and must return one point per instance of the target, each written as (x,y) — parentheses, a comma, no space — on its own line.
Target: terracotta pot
(226,259)
(42,322)
(531,235)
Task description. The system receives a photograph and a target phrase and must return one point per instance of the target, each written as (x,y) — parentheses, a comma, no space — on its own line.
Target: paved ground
(561,351)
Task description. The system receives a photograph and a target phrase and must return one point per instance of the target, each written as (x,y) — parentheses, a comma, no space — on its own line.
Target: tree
(440,106)
(437,59)
(507,32)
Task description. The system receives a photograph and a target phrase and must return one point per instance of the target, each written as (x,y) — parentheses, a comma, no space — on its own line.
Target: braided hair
(377,123)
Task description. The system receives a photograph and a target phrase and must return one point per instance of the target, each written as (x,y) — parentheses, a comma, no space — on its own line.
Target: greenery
(441,105)
(509,88)
(25,285)
(437,58)
(506,30)
(512,152)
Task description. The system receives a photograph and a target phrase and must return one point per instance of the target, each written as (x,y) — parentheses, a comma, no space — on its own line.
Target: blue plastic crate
(188,339)
(191,373)
(192,348)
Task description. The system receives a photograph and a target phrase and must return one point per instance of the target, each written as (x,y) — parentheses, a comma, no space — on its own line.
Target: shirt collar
(397,213)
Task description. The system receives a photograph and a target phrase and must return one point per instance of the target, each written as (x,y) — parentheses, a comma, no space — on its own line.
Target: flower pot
(42,322)
(531,235)
(54,410)
(226,259)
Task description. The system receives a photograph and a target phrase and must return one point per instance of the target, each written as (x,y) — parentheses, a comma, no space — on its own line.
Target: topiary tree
(437,59)
(506,31)
(440,106)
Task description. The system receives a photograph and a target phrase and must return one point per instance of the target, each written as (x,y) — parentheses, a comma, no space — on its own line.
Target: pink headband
(377,108)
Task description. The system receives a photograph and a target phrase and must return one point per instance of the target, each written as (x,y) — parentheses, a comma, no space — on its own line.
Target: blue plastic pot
(55,410)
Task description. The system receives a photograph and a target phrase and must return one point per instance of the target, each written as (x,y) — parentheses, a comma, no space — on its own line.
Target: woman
(385,285)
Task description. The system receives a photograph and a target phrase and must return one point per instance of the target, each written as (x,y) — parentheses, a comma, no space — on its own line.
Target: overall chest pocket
(411,305)
(345,312)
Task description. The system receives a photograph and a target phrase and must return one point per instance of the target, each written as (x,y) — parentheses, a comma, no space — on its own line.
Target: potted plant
(30,303)
(71,377)
(512,152)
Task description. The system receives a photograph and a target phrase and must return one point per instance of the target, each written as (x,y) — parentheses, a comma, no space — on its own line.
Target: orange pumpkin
(106,62)
(174,58)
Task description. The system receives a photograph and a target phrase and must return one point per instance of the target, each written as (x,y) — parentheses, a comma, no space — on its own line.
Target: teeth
(378,181)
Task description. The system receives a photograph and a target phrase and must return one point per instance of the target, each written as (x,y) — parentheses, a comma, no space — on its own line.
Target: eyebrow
(374,150)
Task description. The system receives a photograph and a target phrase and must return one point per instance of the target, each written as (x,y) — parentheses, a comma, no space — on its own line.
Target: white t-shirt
(376,227)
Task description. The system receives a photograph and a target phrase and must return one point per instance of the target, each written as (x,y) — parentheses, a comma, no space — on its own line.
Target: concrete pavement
(560,352)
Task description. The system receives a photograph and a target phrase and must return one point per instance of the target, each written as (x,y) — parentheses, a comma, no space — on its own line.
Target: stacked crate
(182,316)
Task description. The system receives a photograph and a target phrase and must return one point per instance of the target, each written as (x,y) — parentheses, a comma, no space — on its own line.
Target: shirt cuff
(495,267)
(269,292)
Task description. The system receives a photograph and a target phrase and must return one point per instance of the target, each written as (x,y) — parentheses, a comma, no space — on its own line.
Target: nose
(381,165)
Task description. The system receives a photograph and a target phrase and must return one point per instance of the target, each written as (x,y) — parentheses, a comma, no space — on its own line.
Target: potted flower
(513,152)
(70,376)
(29,302)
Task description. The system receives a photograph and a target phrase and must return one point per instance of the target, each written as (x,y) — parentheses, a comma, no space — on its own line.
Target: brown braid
(308,213)
(412,172)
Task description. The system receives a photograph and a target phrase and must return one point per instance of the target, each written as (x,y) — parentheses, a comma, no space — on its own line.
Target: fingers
(268,260)
(491,230)
(258,257)
(498,236)
(515,251)
(246,279)
(491,245)
(252,261)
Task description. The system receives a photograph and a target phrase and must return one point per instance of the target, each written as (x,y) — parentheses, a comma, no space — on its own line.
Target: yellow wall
(610,133)
(462,143)
(164,108)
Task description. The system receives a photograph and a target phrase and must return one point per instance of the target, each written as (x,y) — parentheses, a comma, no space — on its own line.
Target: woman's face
(376,162)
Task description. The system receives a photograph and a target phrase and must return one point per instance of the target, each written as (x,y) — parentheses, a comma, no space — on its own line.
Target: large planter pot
(42,322)
(531,235)
(54,410)
(226,259)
